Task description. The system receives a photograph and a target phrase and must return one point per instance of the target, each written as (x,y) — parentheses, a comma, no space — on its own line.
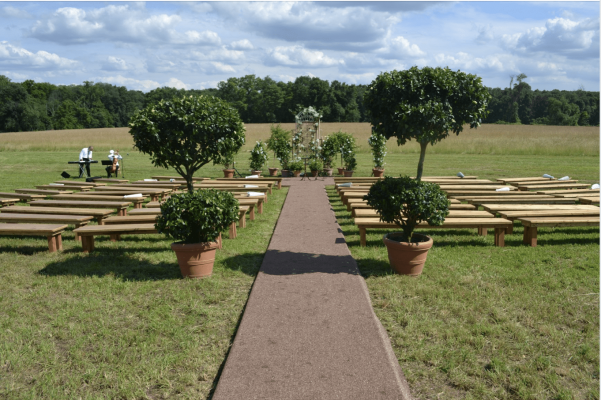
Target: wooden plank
(519,200)
(559,221)
(458,194)
(528,195)
(521,183)
(43,192)
(120,206)
(111,180)
(479,187)
(535,207)
(526,179)
(97,213)
(554,192)
(51,218)
(137,201)
(547,213)
(132,189)
(71,183)
(31,229)
(166,178)
(63,187)
(362,213)
(554,186)
(588,200)
(22,196)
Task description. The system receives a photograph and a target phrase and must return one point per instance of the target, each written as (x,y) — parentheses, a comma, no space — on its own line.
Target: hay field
(488,139)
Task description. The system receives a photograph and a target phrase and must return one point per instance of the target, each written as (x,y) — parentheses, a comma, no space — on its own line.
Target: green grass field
(481,323)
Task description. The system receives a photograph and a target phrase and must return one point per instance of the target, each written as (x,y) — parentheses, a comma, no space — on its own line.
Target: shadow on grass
(25,250)
(115,262)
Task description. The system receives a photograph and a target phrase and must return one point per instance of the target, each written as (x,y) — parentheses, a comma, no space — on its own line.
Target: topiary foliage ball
(199,216)
(407,202)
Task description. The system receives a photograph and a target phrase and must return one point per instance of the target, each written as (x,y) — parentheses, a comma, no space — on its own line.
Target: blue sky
(195,45)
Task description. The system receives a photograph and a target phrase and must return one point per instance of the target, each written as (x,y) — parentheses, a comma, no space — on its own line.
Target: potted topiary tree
(279,143)
(315,166)
(329,149)
(228,161)
(421,104)
(377,143)
(407,202)
(195,220)
(296,166)
(187,133)
(258,158)
(350,163)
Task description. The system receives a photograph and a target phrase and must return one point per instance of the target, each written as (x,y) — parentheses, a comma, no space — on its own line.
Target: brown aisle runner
(309,330)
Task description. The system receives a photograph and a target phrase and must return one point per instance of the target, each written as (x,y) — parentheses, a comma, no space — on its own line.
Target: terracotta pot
(296,174)
(348,174)
(340,171)
(328,171)
(195,259)
(285,173)
(314,173)
(378,173)
(257,173)
(407,258)
(228,173)
(273,171)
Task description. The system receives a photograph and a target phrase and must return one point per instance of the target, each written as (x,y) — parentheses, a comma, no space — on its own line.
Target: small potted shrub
(228,161)
(327,154)
(407,202)
(296,166)
(350,163)
(258,158)
(377,143)
(195,220)
(315,166)
(279,143)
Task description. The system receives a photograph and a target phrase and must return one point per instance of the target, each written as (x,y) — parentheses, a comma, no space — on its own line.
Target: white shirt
(85,153)
(119,157)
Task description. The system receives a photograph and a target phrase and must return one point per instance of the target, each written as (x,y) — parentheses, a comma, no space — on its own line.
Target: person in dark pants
(86,153)
(114,168)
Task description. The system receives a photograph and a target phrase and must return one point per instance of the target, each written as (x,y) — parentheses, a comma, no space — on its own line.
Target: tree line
(34,106)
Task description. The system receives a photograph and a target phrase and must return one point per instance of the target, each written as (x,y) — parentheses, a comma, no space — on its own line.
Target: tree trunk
(420,165)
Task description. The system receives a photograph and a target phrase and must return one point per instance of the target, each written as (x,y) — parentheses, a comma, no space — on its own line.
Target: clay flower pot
(348,174)
(228,173)
(378,173)
(296,174)
(273,171)
(314,173)
(195,259)
(285,173)
(328,171)
(340,171)
(256,172)
(407,258)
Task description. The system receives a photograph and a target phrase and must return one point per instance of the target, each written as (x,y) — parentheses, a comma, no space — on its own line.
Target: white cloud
(117,23)
(176,83)
(359,78)
(218,68)
(559,35)
(115,64)
(243,44)
(18,56)
(485,34)
(400,47)
(130,83)
(472,64)
(12,12)
(297,56)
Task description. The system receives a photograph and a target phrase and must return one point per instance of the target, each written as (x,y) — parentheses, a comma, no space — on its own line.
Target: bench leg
(500,237)
(51,244)
(252,213)
(233,232)
(242,221)
(532,236)
(114,237)
(482,231)
(509,230)
(260,208)
(348,207)
(100,220)
(154,197)
(138,205)
(59,241)
(87,244)
(219,242)
(265,197)
(363,236)
(279,184)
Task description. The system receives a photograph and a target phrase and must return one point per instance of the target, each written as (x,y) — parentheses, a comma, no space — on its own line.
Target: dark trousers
(108,171)
(87,166)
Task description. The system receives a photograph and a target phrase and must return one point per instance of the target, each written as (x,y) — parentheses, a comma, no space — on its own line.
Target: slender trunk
(190,183)
(420,165)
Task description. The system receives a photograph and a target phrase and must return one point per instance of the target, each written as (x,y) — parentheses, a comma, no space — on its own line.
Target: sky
(195,45)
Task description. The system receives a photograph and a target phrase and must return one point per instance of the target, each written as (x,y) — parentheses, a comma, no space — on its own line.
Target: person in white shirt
(86,153)
(114,157)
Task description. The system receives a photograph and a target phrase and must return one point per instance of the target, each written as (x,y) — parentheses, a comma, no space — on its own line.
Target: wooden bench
(151,219)
(589,200)
(354,204)
(482,224)
(98,214)
(568,191)
(64,187)
(120,206)
(466,194)
(525,179)
(514,215)
(237,190)
(461,186)
(157,211)
(532,223)
(110,180)
(370,213)
(52,232)
(22,196)
(87,233)
(154,193)
(255,187)
(137,201)
(557,185)
(8,202)
(90,184)
(520,200)
(77,220)
(535,207)
(178,178)
(44,193)
(578,194)
(265,179)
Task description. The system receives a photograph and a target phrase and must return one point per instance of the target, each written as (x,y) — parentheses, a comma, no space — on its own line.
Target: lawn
(481,322)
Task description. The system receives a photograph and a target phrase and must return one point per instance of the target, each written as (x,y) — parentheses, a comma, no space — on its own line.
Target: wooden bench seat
(482,224)
(557,185)
(354,204)
(568,191)
(118,194)
(492,187)
(576,194)
(90,184)
(258,187)
(137,201)
(535,207)
(43,192)
(22,196)
(8,202)
(120,206)
(589,200)
(178,178)
(467,194)
(525,179)
(521,200)
(275,179)
(368,212)
(157,211)
(110,180)
(514,215)
(98,214)
(52,231)
(154,193)
(65,187)
(532,223)
(77,220)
